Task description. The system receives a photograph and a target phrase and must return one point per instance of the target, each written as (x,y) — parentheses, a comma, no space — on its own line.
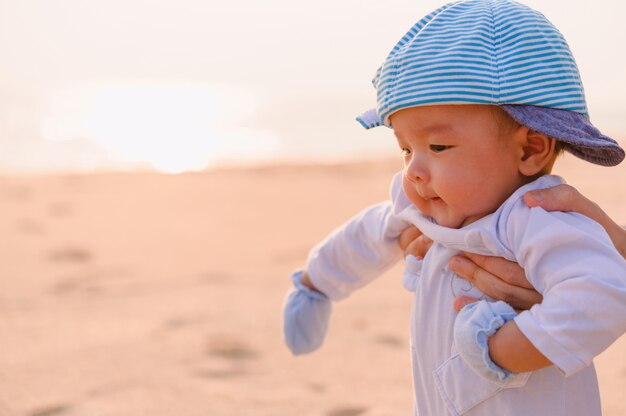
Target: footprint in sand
(390,341)
(70,255)
(179,322)
(347,411)
(52,410)
(232,353)
(21,194)
(230,349)
(316,387)
(30,226)
(214,277)
(360,324)
(74,285)
(221,374)
(92,281)
(60,209)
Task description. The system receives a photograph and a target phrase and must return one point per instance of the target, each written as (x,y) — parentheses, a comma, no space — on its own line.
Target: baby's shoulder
(515,209)
(518,225)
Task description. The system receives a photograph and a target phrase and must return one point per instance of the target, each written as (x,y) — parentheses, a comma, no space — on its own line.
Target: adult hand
(567,198)
(505,280)
(496,277)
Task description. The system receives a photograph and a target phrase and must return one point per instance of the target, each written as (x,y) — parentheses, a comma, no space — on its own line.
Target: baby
(482,95)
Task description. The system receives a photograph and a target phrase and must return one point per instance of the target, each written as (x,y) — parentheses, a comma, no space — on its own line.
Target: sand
(148,294)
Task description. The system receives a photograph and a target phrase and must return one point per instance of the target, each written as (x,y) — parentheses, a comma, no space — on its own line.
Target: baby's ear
(538,154)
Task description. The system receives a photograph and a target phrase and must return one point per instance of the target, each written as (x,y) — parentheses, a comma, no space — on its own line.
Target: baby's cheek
(468,202)
(411,193)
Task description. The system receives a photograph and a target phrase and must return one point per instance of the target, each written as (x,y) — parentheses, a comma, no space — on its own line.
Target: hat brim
(370,119)
(581,138)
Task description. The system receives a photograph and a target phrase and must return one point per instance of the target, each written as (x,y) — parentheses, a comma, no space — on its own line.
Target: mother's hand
(505,280)
(494,276)
(497,278)
(567,198)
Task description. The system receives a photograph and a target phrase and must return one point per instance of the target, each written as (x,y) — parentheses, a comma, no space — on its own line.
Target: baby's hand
(473,326)
(414,243)
(306,315)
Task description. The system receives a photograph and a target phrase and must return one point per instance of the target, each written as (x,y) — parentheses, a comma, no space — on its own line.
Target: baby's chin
(449,219)
(446,221)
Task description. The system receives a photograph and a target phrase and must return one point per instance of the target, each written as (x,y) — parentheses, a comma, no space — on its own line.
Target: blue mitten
(412,272)
(473,326)
(306,315)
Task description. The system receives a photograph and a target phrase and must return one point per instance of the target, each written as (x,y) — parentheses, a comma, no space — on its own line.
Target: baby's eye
(437,148)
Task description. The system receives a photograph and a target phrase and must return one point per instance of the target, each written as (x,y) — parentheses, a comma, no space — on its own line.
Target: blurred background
(165,165)
(177,86)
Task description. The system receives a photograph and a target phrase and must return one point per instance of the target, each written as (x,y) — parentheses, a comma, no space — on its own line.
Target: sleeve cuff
(331,288)
(412,272)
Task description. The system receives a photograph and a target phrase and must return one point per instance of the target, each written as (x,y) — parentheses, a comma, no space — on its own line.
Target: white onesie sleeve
(571,261)
(358,251)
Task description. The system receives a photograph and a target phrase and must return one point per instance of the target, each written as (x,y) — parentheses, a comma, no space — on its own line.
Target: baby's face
(459,165)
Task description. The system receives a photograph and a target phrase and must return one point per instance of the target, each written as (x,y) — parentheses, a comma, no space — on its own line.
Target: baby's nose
(416,170)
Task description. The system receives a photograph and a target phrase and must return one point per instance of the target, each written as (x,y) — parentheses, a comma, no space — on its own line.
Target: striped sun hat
(494,52)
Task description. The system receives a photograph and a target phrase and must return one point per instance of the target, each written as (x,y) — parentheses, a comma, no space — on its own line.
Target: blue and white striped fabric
(478,52)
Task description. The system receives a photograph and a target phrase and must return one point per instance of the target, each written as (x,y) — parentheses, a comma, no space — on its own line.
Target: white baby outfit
(567,257)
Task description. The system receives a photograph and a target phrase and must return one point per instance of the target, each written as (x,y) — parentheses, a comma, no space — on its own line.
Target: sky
(181,85)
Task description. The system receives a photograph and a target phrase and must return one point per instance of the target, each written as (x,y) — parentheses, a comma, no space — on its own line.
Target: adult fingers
(508,271)
(558,198)
(494,287)
(566,198)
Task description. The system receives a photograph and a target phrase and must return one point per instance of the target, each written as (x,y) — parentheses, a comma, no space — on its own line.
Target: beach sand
(150,294)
